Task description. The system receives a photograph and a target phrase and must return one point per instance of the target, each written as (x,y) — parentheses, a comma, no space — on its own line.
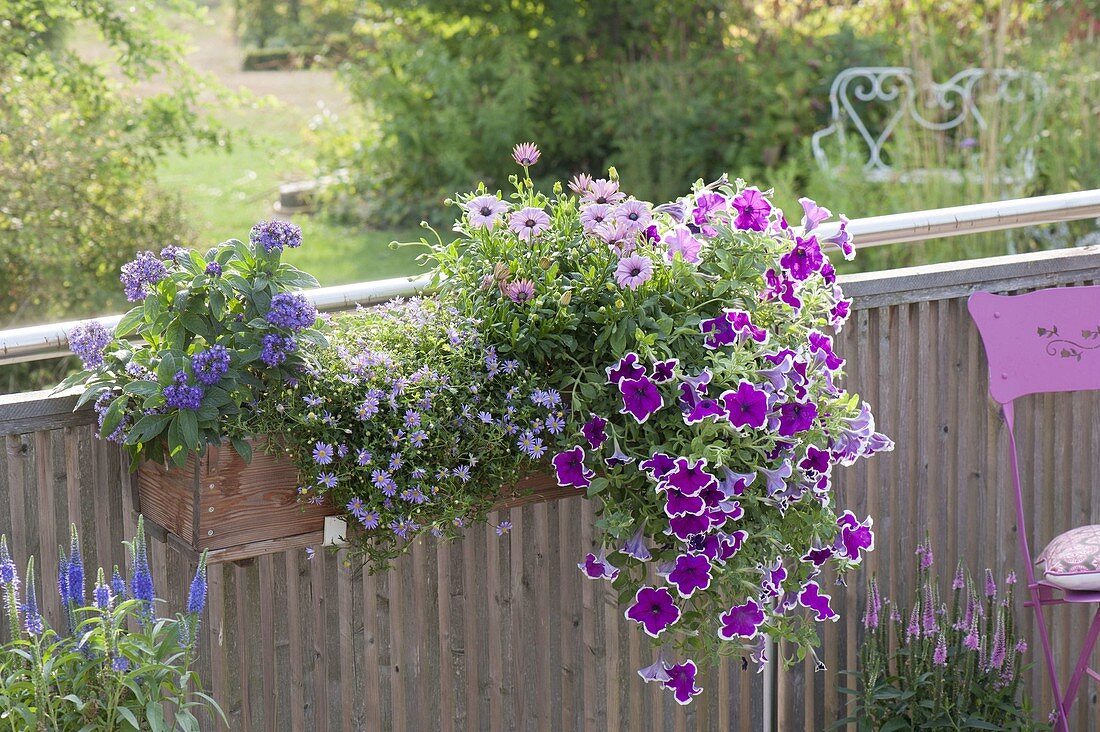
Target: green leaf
(895,724)
(189,428)
(142,388)
(129,322)
(113,416)
(147,428)
(243,449)
(129,717)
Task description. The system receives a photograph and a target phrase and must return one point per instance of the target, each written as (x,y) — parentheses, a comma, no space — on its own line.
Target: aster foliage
(212,332)
(410,422)
(693,345)
(950,661)
(112,666)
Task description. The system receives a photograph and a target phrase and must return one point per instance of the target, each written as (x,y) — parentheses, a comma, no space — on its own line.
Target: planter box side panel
(246,503)
(166,497)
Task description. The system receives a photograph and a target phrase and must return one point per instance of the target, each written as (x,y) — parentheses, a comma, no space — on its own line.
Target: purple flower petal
(741,621)
(811,598)
(658,466)
(570,468)
(597,567)
(654,609)
(690,477)
(594,431)
(746,406)
(641,399)
(682,682)
(691,573)
(627,368)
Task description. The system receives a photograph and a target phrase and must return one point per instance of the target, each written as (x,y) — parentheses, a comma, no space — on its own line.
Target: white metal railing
(40,342)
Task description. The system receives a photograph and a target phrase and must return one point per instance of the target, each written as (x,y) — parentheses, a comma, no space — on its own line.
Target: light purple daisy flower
(485,211)
(529,222)
(521,291)
(526,154)
(593,216)
(634,214)
(634,271)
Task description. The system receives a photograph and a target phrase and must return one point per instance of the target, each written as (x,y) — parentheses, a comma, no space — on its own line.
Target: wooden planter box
(239,510)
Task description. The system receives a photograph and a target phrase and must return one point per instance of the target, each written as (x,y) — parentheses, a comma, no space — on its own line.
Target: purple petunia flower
(276,235)
(665,370)
(811,598)
(691,573)
(597,567)
(812,215)
(657,671)
(594,431)
(747,406)
(627,368)
(654,609)
(634,271)
(803,259)
(843,239)
(570,468)
(526,154)
(741,621)
(855,537)
(752,210)
(88,341)
(678,504)
(682,682)
(682,242)
(795,417)
(636,547)
(485,211)
(529,222)
(658,465)
(141,275)
(641,399)
(690,477)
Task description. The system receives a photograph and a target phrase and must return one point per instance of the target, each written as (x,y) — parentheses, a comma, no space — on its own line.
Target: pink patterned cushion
(1073,559)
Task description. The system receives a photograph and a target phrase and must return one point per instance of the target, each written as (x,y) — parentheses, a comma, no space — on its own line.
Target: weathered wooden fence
(503,632)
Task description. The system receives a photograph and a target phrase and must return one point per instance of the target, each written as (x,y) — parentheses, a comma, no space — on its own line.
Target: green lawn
(228,191)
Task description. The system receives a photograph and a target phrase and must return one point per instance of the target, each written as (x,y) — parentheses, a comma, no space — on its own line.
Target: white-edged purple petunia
(677,504)
(741,621)
(570,468)
(812,214)
(658,465)
(855,537)
(665,370)
(690,573)
(597,567)
(811,598)
(641,398)
(682,682)
(657,671)
(705,409)
(627,368)
(654,609)
(690,477)
(746,406)
(636,547)
(595,431)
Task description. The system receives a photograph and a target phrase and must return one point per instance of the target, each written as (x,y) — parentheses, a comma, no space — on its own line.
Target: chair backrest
(1044,341)
(891,92)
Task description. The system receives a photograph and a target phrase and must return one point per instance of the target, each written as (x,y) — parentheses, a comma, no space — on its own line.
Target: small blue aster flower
(503,528)
(363,457)
(322,453)
(328,480)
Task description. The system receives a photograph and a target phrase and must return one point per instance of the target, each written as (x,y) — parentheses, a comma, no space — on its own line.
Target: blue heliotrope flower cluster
(707,414)
(216,331)
(411,423)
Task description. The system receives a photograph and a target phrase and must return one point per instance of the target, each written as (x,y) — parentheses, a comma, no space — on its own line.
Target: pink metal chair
(1047,341)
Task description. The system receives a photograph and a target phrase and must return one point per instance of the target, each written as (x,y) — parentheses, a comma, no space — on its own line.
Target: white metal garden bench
(896,95)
